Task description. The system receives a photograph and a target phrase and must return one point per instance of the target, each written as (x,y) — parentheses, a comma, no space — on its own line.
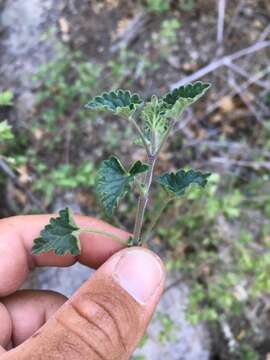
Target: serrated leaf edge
(112,92)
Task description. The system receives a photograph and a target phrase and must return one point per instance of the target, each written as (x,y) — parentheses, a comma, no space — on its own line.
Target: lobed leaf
(114,181)
(177,100)
(61,236)
(120,102)
(177,183)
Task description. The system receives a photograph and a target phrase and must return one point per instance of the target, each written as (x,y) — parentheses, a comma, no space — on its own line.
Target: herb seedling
(153,121)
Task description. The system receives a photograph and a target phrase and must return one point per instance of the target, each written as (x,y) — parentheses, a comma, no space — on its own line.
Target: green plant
(227,270)
(60,84)
(158,6)
(166,38)
(153,122)
(6,134)
(168,327)
(6,98)
(187,5)
(65,177)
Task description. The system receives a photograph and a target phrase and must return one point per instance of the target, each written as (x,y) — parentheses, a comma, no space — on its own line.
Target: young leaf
(114,181)
(177,100)
(153,118)
(61,236)
(120,102)
(177,183)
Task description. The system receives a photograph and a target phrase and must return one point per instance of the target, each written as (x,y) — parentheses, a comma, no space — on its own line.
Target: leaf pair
(124,103)
(157,113)
(62,234)
(114,181)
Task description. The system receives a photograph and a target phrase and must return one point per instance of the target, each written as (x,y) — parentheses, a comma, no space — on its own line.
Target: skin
(100,321)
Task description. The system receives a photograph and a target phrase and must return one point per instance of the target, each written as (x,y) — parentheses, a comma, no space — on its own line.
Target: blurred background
(54,55)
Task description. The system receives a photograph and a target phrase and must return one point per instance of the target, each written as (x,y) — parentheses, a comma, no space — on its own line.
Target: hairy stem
(139,130)
(133,118)
(143,201)
(156,218)
(105,233)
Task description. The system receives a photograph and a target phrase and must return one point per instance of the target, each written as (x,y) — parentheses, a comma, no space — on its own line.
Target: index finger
(16,240)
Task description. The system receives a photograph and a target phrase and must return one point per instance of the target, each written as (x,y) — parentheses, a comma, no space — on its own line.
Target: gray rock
(23,48)
(183,341)
(63,280)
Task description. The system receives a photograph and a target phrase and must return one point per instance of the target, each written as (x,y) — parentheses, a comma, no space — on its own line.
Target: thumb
(106,317)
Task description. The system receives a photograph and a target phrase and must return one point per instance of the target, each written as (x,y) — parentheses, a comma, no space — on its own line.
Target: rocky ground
(100,30)
(22,52)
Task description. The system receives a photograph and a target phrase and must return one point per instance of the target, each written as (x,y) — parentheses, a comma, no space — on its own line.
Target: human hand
(104,319)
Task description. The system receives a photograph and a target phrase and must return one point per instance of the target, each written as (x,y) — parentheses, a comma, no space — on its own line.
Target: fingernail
(140,273)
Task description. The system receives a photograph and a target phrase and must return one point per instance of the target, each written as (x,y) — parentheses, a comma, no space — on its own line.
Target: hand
(104,319)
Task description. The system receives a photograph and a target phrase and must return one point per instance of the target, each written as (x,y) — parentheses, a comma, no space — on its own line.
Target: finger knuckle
(103,321)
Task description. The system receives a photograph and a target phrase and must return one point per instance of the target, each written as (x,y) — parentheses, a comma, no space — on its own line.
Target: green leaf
(137,168)
(6,98)
(153,118)
(177,183)
(5,131)
(61,236)
(120,102)
(177,100)
(114,181)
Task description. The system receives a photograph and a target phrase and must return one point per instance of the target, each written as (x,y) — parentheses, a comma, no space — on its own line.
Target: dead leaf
(215,119)
(226,104)
(20,197)
(112,3)
(228,130)
(122,25)
(241,335)
(190,66)
(24,176)
(38,134)
(64,25)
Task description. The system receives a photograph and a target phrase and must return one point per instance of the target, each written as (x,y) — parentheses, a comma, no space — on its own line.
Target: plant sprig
(153,121)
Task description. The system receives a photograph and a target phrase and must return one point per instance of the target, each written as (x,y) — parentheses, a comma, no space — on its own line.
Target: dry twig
(214,65)
(4,167)
(132,31)
(220,22)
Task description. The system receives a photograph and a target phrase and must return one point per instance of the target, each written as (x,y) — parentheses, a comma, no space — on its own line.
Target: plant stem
(105,233)
(143,201)
(139,130)
(156,218)
(133,118)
